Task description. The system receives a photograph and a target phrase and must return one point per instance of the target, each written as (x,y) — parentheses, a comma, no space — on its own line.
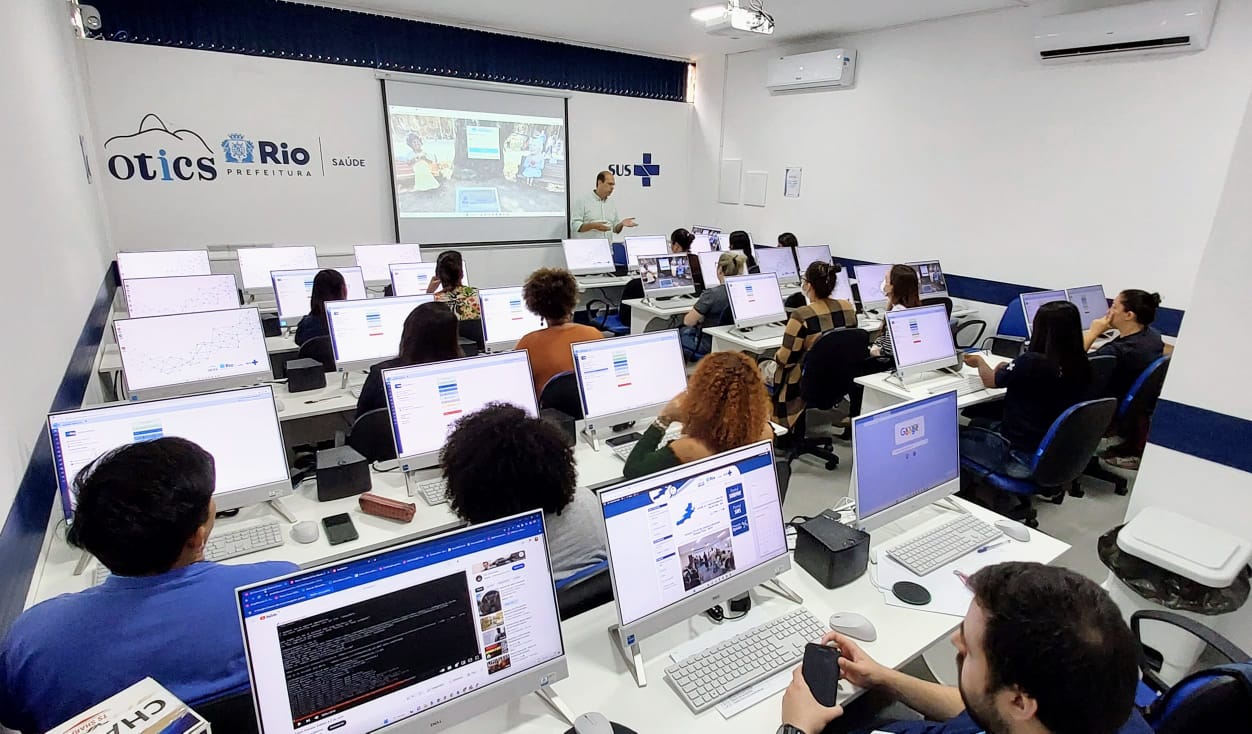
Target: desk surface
(728,338)
(661,308)
(884,389)
(586,283)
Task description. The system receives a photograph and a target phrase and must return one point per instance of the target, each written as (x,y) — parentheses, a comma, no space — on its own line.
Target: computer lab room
(735,366)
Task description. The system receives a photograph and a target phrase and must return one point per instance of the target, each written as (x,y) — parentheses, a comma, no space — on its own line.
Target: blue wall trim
(1168,320)
(23,532)
(1205,434)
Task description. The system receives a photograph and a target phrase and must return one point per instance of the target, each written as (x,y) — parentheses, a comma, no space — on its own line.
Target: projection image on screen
(450,163)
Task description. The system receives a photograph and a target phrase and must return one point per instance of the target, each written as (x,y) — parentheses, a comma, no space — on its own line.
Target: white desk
(729,339)
(882,390)
(111,357)
(599,680)
(599,282)
(643,311)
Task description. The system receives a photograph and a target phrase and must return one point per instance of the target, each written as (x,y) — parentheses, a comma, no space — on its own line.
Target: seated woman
(741,242)
(552,294)
(787,239)
(429,335)
(724,407)
(806,324)
(1044,381)
(901,288)
(710,306)
(680,241)
(449,287)
(328,285)
(499,462)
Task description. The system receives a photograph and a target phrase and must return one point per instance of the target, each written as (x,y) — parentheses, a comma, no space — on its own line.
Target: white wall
(957,143)
(54,235)
(217,94)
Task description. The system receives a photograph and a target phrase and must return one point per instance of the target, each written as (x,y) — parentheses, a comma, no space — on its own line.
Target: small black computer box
(831,552)
(341,472)
(305,374)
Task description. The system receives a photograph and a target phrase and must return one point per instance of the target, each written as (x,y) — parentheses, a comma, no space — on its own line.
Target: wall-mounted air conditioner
(1150,27)
(821,69)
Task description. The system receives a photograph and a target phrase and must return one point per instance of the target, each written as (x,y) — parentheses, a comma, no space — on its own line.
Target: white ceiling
(664,27)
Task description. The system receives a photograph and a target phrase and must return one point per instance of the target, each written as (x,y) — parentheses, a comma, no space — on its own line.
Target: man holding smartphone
(1042,650)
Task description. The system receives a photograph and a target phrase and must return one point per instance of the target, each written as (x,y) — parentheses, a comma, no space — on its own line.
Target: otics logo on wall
(644,171)
(157,153)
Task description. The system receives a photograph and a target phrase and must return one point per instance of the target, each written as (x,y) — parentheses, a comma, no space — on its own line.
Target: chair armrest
(592,308)
(588,572)
(1215,641)
(987,436)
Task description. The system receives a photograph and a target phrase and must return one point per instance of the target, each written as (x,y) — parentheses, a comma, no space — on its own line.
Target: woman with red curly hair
(724,407)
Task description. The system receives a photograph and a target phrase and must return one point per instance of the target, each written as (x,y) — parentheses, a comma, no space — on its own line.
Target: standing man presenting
(594,216)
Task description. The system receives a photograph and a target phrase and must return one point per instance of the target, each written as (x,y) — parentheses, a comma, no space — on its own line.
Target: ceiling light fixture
(736,19)
(708,12)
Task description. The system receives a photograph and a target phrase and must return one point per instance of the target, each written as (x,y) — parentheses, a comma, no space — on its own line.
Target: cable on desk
(375,464)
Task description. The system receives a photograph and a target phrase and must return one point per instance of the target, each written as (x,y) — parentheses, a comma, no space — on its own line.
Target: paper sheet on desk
(948,594)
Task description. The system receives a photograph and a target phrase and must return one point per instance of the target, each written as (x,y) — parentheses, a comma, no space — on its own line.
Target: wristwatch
(789,729)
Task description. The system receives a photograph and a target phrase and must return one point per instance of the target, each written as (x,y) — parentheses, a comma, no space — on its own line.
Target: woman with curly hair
(552,294)
(499,462)
(724,407)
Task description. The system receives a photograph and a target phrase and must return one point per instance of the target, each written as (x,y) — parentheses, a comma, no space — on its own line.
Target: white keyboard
(99,574)
(623,450)
(969,384)
(434,491)
(761,333)
(242,541)
(943,544)
(597,279)
(718,672)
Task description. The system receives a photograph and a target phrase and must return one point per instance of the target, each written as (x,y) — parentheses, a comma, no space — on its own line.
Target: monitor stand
(277,506)
(906,380)
(547,694)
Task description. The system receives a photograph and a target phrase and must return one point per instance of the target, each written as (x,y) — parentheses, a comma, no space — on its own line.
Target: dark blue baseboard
(23,532)
(1205,434)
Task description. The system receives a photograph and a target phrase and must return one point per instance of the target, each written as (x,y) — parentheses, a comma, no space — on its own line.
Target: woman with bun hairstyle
(1137,345)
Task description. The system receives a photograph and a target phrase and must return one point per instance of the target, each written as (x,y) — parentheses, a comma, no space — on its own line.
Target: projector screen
(470,165)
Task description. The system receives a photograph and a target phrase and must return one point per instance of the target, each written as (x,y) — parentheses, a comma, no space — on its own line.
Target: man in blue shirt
(145,511)
(1042,650)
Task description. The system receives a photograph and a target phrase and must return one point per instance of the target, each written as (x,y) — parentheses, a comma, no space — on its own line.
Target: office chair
(1059,460)
(662,323)
(826,374)
(1102,368)
(233,713)
(371,437)
(947,303)
(585,590)
(1207,701)
(560,392)
(632,289)
(725,318)
(472,329)
(966,325)
(319,348)
(1134,417)
(1013,322)
(600,314)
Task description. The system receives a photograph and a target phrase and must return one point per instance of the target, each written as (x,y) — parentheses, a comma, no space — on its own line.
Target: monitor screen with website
(869,283)
(781,261)
(238,427)
(411,638)
(426,399)
(701,243)
(930,280)
(375,259)
(755,300)
(1091,302)
(679,538)
(505,316)
(192,352)
(713,233)
(256,263)
(708,267)
(666,275)
(628,377)
(650,245)
(588,256)
(412,279)
(921,339)
(904,458)
(1031,303)
(365,332)
(162,264)
(294,288)
(179,294)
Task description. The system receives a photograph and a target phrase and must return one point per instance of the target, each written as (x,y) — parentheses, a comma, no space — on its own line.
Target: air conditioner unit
(834,69)
(1143,28)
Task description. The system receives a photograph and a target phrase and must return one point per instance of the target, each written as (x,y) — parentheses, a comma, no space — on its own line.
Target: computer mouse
(1014,530)
(593,723)
(280,405)
(853,625)
(305,532)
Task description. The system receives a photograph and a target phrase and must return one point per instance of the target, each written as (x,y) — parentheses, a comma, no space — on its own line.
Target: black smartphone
(821,672)
(625,438)
(339,528)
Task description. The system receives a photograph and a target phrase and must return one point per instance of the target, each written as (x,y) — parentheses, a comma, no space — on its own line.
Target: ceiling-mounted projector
(735,20)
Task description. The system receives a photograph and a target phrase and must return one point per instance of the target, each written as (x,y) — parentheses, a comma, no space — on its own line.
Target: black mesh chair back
(1071,441)
(947,303)
(561,393)
(371,437)
(319,348)
(472,329)
(1140,401)
(632,289)
(834,360)
(1102,369)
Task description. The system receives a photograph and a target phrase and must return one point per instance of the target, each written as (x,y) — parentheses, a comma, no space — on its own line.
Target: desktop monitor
(869,282)
(628,378)
(256,263)
(713,233)
(375,259)
(904,458)
(650,245)
(666,276)
(708,267)
(589,256)
(1091,302)
(781,261)
(930,280)
(505,317)
(294,288)
(808,254)
(162,264)
(363,333)
(921,340)
(1031,302)
(192,352)
(725,509)
(179,294)
(412,279)
(416,637)
(702,243)
(238,427)
(425,400)
(755,300)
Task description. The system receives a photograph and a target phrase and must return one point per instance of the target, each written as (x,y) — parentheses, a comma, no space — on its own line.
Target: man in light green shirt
(593,216)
